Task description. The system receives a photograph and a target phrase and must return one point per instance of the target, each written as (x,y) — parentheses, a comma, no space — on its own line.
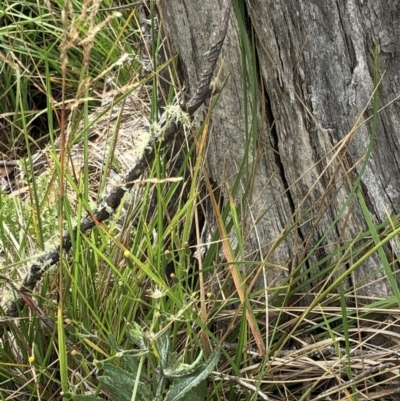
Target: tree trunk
(315,64)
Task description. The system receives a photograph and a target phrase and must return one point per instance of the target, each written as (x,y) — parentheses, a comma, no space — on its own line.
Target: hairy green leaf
(180,369)
(120,383)
(183,386)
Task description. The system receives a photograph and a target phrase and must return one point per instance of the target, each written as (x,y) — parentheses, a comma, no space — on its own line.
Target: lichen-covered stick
(169,127)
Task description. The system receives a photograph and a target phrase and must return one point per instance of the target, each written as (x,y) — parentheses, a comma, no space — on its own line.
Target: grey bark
(315,63)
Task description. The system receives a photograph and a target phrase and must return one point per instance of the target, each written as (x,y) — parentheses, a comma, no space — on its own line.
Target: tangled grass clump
(151,297)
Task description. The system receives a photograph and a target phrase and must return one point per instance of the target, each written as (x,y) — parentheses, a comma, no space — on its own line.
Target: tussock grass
(131,295)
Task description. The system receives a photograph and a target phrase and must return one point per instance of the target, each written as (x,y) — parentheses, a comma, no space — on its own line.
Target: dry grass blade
(325,368)
(239,284)
(244,383)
